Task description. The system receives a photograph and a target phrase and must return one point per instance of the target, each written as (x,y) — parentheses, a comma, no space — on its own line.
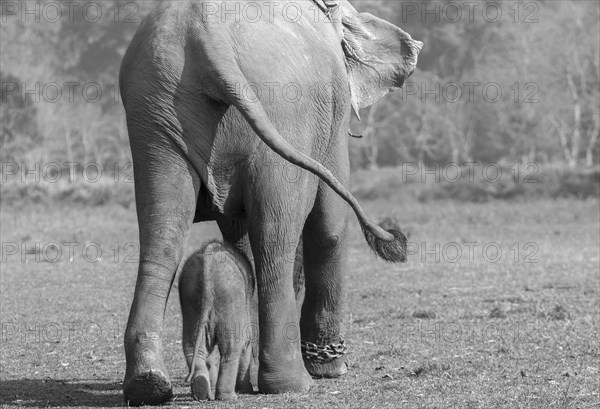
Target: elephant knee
(323,249)
(331,240)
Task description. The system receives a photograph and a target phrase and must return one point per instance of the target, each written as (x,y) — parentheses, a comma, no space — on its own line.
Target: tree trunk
(576,135)
(455,155)
(562,136)
(84,141)
(593,140)
(69,150)
(372,150)
(575,140)
(372,154)
(532,153)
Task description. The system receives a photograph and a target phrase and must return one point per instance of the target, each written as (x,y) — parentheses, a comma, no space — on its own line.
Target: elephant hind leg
(228,371)
(247,370)
(275,221)
(200,377)
(325,264)
(201,389)
(165,193)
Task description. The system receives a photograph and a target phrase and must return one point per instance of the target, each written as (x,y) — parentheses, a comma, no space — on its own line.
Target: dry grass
(474,185)
(429,333)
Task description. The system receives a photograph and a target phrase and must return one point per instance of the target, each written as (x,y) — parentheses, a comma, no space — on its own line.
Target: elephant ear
(379,55)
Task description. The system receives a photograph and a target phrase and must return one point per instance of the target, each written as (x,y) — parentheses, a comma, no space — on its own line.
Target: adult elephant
(222,99)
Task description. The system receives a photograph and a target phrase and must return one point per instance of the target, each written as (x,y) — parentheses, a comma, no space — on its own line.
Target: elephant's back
(282,49)
(272,49)
(156,52)
(216,272)
(230,277)
(297,66)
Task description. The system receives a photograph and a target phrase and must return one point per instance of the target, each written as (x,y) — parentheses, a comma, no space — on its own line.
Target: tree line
(506,82)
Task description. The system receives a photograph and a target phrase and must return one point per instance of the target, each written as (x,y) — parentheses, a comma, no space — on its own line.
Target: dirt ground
(498,306)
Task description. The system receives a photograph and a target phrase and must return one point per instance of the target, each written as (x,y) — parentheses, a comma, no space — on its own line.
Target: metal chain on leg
(323,353)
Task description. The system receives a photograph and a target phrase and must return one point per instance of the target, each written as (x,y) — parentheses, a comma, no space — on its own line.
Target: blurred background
(505,102)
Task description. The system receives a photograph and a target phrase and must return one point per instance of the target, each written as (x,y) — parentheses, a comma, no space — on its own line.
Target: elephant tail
(389,245)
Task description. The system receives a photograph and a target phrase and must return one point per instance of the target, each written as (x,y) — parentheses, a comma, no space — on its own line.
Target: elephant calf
(220,320)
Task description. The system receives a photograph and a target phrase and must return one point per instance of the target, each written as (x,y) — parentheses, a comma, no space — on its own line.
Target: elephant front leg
(325,264)
(281,368)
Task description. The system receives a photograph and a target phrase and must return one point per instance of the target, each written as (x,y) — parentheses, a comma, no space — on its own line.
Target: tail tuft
(393,251)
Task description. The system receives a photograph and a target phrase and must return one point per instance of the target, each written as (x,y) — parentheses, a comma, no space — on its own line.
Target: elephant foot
(325,361)
(202,391)
(201,388)
(245,388)
(282,382)
(148,388)
(226,396)
(332,369)
(146,380)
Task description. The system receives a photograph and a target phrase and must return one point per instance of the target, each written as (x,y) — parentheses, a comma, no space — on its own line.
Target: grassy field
(497,307)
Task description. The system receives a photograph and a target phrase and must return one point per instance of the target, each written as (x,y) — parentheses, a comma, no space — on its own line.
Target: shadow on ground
(52,393)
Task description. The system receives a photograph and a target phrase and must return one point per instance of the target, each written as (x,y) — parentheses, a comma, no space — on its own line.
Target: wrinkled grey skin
(214,128)
(219,307)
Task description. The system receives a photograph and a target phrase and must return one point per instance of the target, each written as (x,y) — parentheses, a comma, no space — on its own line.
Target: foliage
(543,57)
(18,129)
